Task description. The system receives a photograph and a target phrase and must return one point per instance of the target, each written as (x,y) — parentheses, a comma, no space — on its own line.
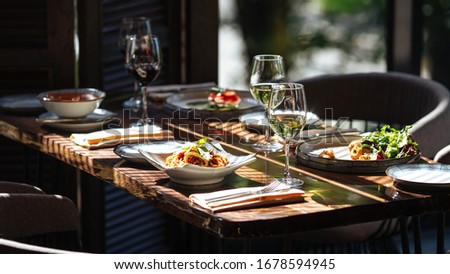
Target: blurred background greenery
(322,36)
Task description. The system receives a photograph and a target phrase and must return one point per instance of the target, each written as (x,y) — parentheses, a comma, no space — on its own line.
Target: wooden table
(335,199)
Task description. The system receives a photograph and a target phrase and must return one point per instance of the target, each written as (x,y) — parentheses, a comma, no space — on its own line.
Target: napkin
(159,93)
(279,196)
(115,136)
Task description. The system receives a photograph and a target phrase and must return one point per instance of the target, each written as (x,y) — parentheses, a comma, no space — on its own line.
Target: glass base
(142,122)
(133,103)
(292,182)
(268,146)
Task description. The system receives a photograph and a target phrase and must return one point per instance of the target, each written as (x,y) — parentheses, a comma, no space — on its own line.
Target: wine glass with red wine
(133,26)
(143,61)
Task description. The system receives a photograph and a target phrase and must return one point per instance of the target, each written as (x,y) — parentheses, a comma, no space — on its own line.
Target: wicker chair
(30,216)
(443,155)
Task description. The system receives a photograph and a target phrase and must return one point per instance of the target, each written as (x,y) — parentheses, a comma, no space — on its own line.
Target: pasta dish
(196,154)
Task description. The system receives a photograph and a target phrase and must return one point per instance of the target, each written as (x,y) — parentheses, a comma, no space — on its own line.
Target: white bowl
(157,152)
(71,103)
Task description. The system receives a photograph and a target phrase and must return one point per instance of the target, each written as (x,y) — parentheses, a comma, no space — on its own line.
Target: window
(436,32)
(314,37)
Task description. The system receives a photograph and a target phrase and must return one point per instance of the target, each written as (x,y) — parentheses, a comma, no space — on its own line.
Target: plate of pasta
(193,163)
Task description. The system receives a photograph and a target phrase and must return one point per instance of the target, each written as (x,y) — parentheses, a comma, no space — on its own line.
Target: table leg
(417,235)
(39,170)
(247,246)
(441,233)
(288,244)
(404,235)
(222,246)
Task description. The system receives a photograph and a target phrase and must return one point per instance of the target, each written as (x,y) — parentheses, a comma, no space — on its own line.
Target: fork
(269,188)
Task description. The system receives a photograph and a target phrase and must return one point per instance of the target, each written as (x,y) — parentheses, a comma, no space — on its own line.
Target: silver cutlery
(267,189)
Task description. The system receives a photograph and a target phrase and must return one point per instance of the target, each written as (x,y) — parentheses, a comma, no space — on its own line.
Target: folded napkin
(279,196)
(159,93)
(116,136)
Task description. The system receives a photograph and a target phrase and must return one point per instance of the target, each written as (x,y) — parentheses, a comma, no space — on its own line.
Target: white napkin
(159,93)
(116,136)
(279,196)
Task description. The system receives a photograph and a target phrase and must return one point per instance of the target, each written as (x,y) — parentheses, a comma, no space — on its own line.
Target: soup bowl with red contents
(71,103)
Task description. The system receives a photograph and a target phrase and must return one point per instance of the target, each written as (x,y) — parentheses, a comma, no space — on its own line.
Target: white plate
(421,175)
(193,175)
(130,152)
(307,153)
(23,104)
(258,120)
(94,121)
(194,104)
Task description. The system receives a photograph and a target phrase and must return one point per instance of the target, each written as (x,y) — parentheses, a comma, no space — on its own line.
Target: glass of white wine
(287,118)
(266,70)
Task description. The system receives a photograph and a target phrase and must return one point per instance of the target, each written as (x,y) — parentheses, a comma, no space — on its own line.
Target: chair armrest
(443,155)
(13,187)
(35,214)
(14,247)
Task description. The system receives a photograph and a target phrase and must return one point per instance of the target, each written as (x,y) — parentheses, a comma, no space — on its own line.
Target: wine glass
(287,117)
(143,61)
(266,70)
(133,26)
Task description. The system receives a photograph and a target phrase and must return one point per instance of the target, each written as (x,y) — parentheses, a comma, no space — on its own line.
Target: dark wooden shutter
(101,63)
(188,32)
(36,45)
(130,225)
(36,54)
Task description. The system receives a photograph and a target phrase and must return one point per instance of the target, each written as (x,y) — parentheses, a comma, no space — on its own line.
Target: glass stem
(144,115)
(137,90)
(266,128)
(287,173)
(136,105)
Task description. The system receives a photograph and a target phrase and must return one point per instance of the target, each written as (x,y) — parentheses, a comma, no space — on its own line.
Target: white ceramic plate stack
(91,122)
(421,177)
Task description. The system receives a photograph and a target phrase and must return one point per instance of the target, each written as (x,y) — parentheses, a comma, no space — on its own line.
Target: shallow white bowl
(71,103)
(157,152)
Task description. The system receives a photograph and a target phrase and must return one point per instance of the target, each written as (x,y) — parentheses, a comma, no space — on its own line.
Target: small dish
(432,176)
(71,103)
(193,175)
(92,121)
